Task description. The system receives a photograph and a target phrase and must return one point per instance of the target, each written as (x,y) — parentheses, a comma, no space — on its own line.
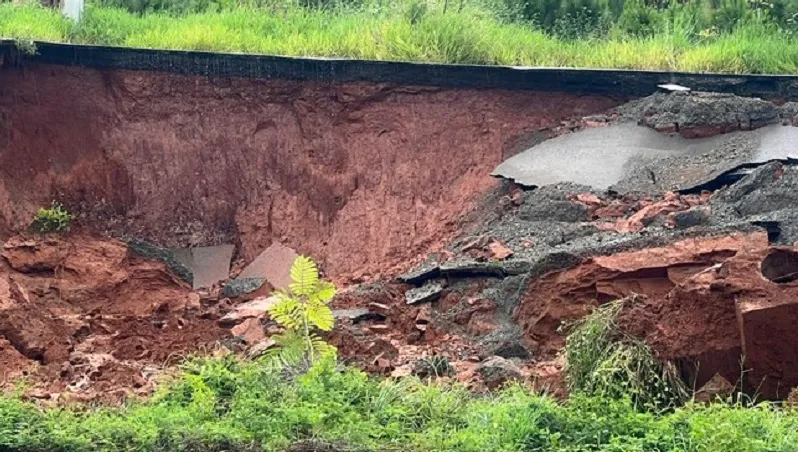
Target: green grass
(233,405)
(473,36)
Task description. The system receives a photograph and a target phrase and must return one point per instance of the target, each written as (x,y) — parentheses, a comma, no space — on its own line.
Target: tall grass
(470,35)
(233,405)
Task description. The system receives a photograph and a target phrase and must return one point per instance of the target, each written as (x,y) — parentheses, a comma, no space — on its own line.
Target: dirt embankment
(371,181)
(360,176)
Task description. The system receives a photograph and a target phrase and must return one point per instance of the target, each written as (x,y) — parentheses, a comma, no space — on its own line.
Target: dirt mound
(85,316)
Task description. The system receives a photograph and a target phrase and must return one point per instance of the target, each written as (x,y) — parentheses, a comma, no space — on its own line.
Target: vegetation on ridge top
(733,36)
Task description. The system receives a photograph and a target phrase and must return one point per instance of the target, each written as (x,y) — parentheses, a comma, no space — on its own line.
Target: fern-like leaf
(291,350)
(304,276)
(285,311)
(320,315)
(322,348)
(325,291)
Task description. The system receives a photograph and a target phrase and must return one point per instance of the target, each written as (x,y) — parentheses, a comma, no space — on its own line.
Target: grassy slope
(234,406)
(469,36)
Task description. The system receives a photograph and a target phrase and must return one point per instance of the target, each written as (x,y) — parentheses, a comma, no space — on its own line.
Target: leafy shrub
(56,218)
(637,19)
(604,361)
(301,310)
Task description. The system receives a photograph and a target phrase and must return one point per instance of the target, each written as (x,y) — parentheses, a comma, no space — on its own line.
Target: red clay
(84,312)
(363,177)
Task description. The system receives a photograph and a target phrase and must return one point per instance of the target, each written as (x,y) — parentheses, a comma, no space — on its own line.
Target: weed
(25,46)
(56,218)
(602,360)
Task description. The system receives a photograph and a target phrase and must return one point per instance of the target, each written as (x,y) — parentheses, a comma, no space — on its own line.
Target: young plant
(55,219)
(302,310)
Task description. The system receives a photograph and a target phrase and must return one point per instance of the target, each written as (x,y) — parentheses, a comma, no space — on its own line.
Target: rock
(499,251)
(697,216)
(430,291)
(193,302)
(257,308)
(260,348)
(355,315)
(273,265)
(379,308)
(241,286)
(553,210)
(700,114)
(789,114)
(497,371)
(716,389)
(250,330)
(511,349)
(28,255)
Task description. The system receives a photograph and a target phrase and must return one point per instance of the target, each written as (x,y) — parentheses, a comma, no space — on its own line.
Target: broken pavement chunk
(208,264)
(242,286)
(273,265)
(428,292)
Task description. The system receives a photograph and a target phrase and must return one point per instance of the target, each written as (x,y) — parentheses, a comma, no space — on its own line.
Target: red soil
(363,177)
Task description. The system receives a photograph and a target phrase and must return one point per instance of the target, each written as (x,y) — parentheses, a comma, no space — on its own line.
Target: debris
(241,286)
(699,115)
(379,308)
(257,308)
(260,348)
(499,251)
(250,330)
(497,371)
(273,265)
(356,315)
(717,389)
(430,291)
(208,265)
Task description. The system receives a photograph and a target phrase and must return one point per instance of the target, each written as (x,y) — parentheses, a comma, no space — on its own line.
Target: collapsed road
(192,205)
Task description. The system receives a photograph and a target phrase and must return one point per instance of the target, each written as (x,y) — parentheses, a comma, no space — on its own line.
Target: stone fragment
(381,309)
(250,330)
(355,315)
(511,349)
(428,292)
(257,308)
(241,286)
(499,251)
(497,371)
(716,389)
(260,348)
(273,265)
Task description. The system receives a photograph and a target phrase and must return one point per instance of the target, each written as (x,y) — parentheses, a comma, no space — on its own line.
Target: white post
(72,9)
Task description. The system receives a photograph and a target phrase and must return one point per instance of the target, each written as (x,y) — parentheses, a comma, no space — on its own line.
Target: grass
(228,403)
(234,405)
(472,35)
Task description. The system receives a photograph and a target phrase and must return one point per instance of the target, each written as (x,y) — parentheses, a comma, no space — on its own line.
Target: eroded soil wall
(361,176)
